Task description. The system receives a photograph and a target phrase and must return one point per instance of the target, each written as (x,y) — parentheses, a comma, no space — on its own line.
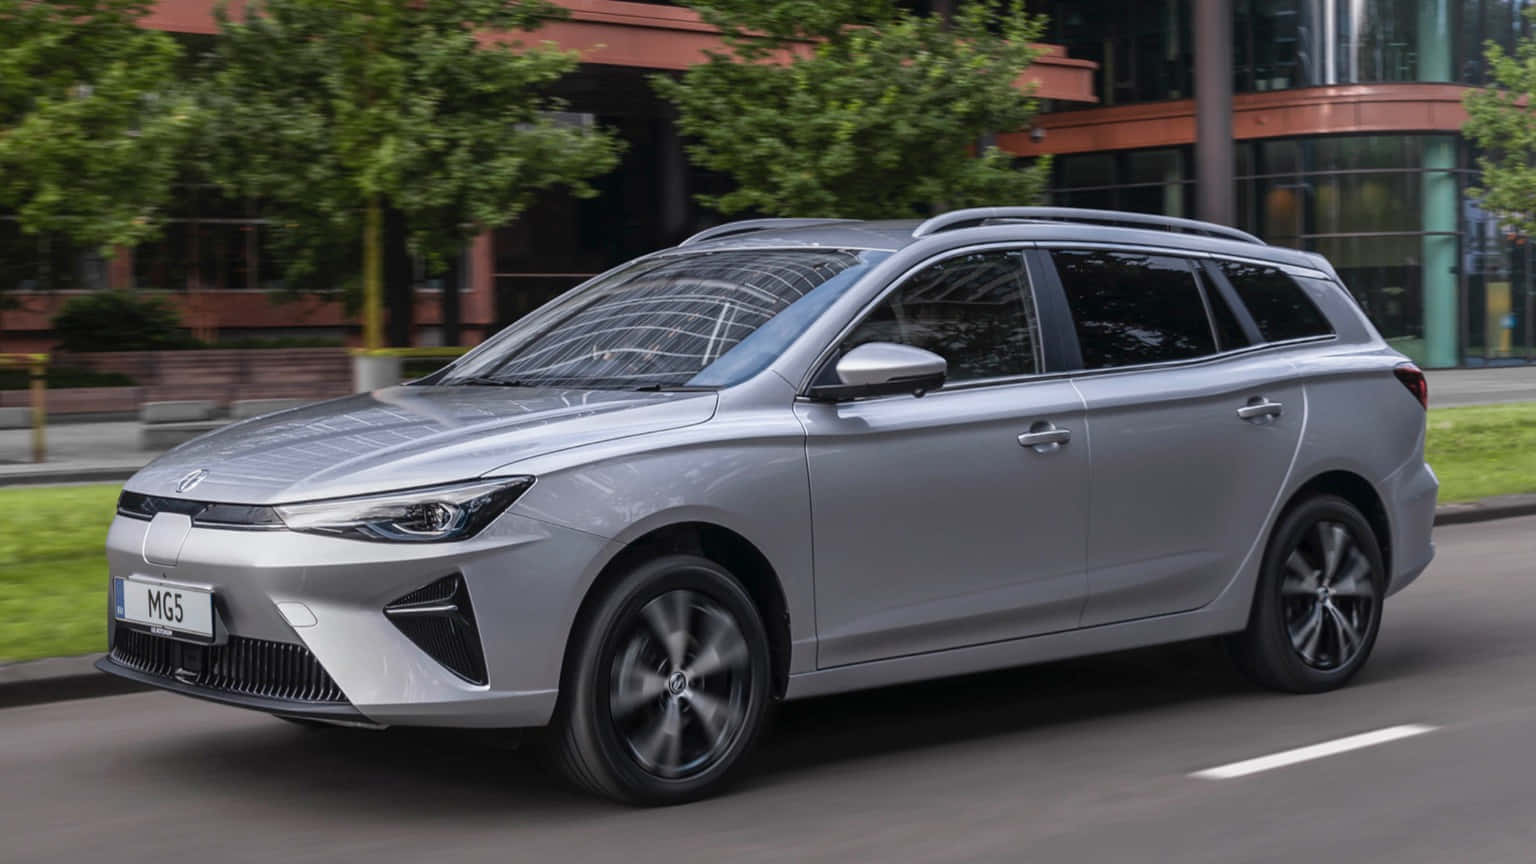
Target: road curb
(1498,507)
(60,678)
(56,679)
(114,474)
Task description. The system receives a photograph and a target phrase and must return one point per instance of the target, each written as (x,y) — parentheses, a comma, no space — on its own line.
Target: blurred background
(213,211)
(1346,117)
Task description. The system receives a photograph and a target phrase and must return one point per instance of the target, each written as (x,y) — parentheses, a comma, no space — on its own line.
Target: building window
(1143,49)
(47,262)
(1441,279)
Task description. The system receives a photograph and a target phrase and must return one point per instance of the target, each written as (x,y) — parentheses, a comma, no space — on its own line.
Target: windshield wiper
(487,381)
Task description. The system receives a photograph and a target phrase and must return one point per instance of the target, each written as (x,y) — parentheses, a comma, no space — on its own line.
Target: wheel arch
(1359,492)
(719,544)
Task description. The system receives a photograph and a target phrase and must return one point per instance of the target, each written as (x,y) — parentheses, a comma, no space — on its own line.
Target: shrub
(64,378)
(119,321)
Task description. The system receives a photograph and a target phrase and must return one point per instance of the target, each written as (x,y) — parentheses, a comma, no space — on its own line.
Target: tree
(334,114)
(1501,119)
(860,108)
(92,121)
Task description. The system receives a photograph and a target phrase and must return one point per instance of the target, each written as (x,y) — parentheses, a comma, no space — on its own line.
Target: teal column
(1434,47)
(1441,198)
(1438,262)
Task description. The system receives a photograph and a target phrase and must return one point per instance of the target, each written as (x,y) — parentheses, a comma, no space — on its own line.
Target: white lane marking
(1314,751)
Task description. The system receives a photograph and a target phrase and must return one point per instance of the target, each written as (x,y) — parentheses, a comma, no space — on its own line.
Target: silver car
(797,457)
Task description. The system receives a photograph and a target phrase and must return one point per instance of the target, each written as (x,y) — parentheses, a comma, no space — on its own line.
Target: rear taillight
(1413,378)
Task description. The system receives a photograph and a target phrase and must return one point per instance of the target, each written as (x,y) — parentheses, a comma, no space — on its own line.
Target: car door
(935,525)
(1193,430)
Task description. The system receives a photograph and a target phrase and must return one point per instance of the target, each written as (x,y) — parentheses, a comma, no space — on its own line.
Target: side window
(972,310)
(1279,306)
(1131,308)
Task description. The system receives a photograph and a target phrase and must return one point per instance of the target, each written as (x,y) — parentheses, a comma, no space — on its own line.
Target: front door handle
(1259,408)
(1045,437)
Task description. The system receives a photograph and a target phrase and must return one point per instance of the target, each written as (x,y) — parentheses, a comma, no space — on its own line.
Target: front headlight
(432,514)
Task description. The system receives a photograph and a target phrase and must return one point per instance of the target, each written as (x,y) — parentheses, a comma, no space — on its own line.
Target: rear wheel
(1317,607)
(666,686)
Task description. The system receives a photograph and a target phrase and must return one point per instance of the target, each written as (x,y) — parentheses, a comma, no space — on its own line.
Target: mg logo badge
(192,479)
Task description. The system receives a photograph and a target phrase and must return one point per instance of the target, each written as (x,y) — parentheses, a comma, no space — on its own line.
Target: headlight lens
(432,514)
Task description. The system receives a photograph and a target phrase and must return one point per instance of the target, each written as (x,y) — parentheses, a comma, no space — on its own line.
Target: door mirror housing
(883,368)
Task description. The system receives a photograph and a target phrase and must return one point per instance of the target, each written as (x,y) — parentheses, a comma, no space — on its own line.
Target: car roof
(897,234)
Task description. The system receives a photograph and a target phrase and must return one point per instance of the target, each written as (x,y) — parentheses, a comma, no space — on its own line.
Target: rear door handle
(1045,437)
(1259,408)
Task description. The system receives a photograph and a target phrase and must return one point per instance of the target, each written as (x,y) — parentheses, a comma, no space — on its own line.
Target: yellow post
(39,407)
(373,276)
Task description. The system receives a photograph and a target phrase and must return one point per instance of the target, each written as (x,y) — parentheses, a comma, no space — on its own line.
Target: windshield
(705,319)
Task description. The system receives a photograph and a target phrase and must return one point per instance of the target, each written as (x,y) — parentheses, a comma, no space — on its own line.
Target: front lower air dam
(439,618)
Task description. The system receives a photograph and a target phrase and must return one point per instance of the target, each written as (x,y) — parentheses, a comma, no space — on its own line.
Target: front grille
(247,667)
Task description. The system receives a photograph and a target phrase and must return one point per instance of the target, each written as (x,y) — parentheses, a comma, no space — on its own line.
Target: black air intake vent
(245,667)
(439,619)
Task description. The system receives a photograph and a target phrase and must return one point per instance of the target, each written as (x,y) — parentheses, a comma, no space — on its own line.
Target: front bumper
(526,579)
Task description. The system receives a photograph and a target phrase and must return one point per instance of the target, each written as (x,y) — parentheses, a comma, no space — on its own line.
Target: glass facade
(1144,54)
(1440,278)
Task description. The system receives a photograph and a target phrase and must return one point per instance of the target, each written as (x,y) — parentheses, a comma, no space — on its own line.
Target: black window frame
(1211,275)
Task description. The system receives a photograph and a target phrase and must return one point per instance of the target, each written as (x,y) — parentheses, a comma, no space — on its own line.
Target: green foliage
(119,321)
(64,378)
(271,342)
(92,119)
(1501,119)
(324,107)
(860,108)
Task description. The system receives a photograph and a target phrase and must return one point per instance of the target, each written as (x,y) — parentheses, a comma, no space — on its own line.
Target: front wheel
(1317,606)
(667,685)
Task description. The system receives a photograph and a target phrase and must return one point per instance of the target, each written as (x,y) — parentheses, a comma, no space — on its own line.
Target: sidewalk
(1449,387)
(77,452)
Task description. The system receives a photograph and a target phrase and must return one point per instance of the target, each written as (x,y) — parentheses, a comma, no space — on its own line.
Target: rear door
(1192,429)
(936,525)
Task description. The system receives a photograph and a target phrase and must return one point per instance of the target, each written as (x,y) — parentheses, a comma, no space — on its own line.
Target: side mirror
(882,368)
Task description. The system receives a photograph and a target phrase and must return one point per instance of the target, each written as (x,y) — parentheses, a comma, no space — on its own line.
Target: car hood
(406,436)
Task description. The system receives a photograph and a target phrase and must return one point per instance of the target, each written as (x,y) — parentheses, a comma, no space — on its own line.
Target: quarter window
(1130,308)
(972,310)
(1279,306)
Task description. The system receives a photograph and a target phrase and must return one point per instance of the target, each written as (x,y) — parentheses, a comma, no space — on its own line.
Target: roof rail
(747,226)
(981,215)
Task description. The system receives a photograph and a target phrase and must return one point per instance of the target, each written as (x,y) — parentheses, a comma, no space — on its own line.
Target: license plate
(166,609)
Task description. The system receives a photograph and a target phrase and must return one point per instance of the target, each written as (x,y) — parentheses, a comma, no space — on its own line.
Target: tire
(1316,611)
(633,725)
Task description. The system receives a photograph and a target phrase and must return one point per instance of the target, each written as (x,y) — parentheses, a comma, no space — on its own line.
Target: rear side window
(972,310)
(1279,306)
(1130,308)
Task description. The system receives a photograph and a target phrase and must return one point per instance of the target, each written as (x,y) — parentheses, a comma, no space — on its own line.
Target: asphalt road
(1082,761)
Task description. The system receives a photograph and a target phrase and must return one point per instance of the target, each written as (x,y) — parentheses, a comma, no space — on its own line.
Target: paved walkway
(1482,386)
(110,451)
(76,451)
